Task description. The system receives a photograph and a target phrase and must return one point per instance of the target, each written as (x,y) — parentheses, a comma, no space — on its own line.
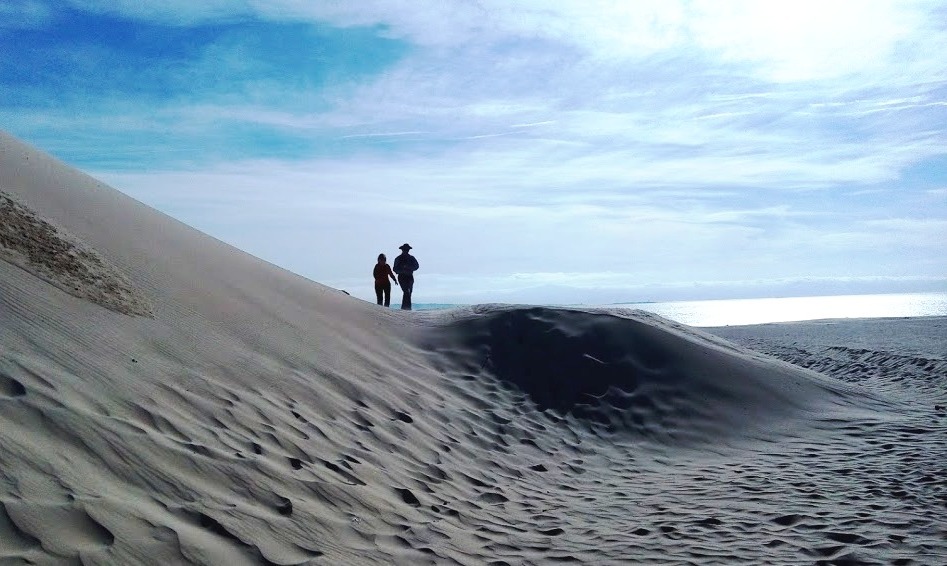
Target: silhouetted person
(405,266)
(381,273)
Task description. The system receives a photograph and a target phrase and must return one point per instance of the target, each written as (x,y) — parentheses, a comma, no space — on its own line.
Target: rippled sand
(252,416)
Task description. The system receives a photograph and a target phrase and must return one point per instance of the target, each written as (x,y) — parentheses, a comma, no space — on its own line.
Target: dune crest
(634,373)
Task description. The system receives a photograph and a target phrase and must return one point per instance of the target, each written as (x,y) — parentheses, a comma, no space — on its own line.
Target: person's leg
(407,287)
(388,295)
(378,293)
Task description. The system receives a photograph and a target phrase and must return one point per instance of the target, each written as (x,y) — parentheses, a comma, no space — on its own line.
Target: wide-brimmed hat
(404,247)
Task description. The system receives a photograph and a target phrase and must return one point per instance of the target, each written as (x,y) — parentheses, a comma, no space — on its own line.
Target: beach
(168,399)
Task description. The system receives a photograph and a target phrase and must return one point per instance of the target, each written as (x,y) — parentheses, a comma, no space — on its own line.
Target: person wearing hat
(405,266)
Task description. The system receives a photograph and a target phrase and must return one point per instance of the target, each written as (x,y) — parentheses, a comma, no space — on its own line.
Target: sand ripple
(469,467)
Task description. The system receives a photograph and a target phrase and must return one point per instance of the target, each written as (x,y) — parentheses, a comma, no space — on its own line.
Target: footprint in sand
(10,387)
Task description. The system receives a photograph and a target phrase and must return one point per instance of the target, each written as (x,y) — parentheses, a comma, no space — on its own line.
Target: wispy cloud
(665,141)
(24,14)
(383,135)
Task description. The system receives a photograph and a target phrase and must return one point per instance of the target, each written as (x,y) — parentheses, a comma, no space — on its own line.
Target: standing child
(382,286)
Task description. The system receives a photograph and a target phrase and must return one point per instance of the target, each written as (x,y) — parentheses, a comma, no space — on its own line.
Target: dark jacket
(405,264)
(381,273)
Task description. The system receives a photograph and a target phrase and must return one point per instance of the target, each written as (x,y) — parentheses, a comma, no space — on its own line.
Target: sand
(169,399)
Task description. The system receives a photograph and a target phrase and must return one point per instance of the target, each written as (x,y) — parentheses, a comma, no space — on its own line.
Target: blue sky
(532,151)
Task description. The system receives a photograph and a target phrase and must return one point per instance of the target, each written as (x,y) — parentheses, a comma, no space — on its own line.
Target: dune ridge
(261,418)
(635,372)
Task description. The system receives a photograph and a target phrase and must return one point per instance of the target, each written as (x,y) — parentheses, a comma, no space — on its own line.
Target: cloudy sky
(530,151)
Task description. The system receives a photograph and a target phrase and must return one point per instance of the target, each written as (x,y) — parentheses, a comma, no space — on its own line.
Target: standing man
(405,266)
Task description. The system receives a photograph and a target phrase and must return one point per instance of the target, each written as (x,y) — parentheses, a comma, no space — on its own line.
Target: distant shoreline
(744,312)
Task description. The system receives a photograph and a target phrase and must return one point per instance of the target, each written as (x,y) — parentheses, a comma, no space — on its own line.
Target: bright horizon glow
(567,152)
(739,312)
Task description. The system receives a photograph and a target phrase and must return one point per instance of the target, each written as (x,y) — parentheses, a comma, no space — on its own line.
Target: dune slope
(241,414)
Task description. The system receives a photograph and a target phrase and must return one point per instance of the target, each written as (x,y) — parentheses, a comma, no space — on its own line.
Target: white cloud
(801,40)
(806,39)
(537,143)
(325,219)
(24,14)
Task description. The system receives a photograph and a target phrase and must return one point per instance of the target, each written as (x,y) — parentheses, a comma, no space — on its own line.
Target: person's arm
(392,275)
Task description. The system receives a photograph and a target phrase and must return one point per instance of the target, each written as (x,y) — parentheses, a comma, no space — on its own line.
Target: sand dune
(635,373)
(240,414)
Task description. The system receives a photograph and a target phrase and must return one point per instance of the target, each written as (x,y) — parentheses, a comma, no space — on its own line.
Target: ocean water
(732,312)
(735,312)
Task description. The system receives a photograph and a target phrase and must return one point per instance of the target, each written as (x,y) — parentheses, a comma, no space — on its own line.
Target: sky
(534,151)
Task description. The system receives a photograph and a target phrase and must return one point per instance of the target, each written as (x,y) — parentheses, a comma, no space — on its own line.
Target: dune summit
(246,415)
(634,374)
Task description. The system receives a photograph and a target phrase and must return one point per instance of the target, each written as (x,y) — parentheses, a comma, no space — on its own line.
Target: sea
(735,312)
